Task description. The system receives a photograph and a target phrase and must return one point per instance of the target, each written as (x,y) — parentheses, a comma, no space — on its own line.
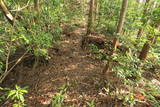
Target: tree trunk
(119,30)
(140,32)
(90,17)
(96,9)
(144,51)
(6,12)
(146,46)
(114,45)
(122,16)
(107,67)
(120,23)
(90,23)
(36,5)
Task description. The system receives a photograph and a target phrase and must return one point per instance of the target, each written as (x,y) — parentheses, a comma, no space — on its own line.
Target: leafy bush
(16,95)
(59,97)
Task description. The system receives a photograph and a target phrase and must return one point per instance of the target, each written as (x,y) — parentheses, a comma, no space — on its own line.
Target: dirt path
(68,64)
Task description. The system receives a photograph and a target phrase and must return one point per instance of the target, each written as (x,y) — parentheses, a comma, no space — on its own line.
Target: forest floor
(69,65)
(72,66)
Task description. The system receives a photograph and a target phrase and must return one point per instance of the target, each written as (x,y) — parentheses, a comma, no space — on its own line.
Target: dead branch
(19,9)
(3,76)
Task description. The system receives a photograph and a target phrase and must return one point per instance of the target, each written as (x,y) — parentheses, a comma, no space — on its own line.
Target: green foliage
(34,31)
(59,97)
(130,99)
(16,95)
(96,51)
(128,67)
(91,103)
(108,16)
(152,92)
(127,97)
(58,100)
(1,66)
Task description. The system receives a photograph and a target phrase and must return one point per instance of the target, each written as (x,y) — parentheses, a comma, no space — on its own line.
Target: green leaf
(11,93)
(17,87)
(23,91)
(1,88)
(15,105)
(26,87)
(21,98)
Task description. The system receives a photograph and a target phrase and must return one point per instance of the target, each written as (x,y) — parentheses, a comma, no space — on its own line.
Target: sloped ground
(69,64)
(72,66)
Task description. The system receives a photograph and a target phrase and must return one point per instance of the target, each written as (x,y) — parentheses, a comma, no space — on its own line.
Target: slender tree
(122,16)
(90,17)
(36,5)
(96,9)
(119,30)
(145,50)
(90,23)
(120,23)
(140,32)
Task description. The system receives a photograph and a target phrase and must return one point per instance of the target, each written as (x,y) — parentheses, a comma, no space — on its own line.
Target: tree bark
(36,5)
(122,16)
(107,67)
(90,17)
(96,9)
(120,23)
(140,32)
(144,51)
(118,31)
(6,12)
(90,23)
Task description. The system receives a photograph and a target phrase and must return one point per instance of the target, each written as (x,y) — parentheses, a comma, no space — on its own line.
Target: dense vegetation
(123,34)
